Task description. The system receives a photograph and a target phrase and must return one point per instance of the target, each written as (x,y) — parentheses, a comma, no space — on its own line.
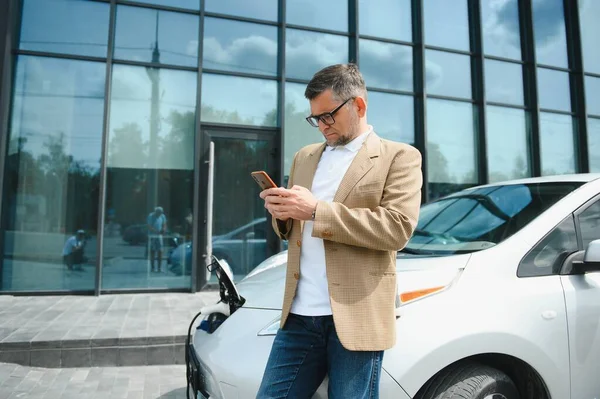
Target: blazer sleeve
(389,226)
(284,228)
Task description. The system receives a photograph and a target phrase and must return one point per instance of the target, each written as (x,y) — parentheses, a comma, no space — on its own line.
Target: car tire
(470,381)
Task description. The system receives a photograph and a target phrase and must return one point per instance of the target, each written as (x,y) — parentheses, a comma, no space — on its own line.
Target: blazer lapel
(361,164)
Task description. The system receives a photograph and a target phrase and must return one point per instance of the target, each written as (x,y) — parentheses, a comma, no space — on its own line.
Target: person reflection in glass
(157,226)
(73,250)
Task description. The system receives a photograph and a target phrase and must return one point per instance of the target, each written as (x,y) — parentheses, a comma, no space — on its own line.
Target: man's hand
(296,203)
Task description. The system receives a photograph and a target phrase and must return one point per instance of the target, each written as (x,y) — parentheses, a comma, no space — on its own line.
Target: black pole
(8,40)
(198,272)
(104,154)
(420,104)
(530,83)
(154,76)
(577,79)
(478,84)
(353,42)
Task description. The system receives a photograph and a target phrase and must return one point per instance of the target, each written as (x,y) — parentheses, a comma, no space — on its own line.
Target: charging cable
(220,307)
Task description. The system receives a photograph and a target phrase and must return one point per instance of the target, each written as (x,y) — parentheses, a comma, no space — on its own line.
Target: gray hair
(344,80)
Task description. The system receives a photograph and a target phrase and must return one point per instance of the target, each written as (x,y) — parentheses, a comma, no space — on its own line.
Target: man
(351,203)
(73,250)
(157,226)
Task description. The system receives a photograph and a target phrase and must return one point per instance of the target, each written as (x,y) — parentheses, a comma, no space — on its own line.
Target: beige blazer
(373,214)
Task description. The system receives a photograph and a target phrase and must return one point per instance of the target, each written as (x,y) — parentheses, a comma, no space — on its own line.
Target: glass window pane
(65,26)
(331,14)
(150,163)
(593,128)
(245,101)
(156,36)
(259,9)
(386,65)
(507,141)
(447,24)
(308,52)
(557,147)
(553,89)
(589,13)
(549,32)
(451,156)
(392,116)
(298,132)
(239,46)
(592,95)
(503,82)
(390,19)
(52,174)
(189,4)
(448,74)
(500,24)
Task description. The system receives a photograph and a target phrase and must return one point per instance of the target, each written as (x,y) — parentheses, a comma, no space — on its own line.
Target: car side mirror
(591,259)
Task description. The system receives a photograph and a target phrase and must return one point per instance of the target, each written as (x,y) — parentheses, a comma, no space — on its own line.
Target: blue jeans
(305,350)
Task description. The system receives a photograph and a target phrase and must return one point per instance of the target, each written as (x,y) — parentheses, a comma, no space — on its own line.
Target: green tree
(211,114)
(70,186)
(177,147)
(521,169)
(437,165)
(126,147)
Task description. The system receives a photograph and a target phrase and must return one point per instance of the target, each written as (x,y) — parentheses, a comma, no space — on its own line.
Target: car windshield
(476,219)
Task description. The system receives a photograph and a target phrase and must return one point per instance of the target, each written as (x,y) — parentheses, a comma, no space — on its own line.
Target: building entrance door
(237,227)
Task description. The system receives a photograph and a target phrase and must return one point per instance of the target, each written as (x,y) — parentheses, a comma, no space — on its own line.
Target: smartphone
(263,180)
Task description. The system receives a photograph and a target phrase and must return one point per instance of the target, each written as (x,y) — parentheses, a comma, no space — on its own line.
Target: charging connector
(220,307)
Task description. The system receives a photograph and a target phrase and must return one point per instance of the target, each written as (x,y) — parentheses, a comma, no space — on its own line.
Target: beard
(343,140)
(354,131)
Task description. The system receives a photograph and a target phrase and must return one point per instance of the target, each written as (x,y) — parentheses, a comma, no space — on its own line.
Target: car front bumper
(233,358)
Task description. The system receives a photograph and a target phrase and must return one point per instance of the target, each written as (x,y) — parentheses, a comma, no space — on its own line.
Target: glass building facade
(111,109)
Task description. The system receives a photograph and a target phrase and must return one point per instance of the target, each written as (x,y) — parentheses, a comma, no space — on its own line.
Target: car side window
(589,223)
(547,256)
(260,233)
(258,230)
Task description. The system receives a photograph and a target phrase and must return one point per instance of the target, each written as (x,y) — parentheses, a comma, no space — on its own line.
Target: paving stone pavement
(50,318)
(105,331)
(143,382)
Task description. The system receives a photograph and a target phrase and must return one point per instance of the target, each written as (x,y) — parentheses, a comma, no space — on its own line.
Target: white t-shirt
(70,245)
(312,295)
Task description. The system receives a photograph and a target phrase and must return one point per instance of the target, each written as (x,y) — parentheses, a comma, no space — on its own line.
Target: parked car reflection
(242,248)
(136,234)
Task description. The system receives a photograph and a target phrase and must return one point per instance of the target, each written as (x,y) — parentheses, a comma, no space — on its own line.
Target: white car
(499,299)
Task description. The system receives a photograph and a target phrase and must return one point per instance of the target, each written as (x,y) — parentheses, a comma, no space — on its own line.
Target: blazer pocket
(383,274)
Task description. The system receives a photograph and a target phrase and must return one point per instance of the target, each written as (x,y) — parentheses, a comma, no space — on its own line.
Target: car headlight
(271,328)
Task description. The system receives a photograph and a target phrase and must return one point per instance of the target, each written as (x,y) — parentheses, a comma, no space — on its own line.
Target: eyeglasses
(326,117)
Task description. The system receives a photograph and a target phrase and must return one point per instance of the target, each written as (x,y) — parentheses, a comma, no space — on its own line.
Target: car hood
(265,290)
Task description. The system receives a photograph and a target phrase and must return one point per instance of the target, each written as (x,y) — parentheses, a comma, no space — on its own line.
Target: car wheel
(470,381)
